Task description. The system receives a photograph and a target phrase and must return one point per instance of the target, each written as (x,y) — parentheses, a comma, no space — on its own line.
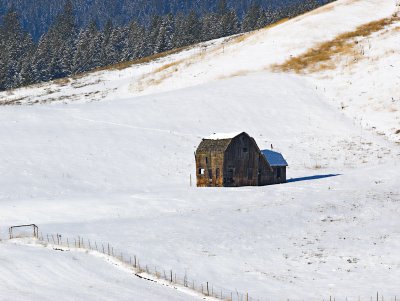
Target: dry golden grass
(148,59)
(163,72)
(62,81)
(276,23)
(244,36)
(168,66)
(322,56)
(240,38)
(235,74)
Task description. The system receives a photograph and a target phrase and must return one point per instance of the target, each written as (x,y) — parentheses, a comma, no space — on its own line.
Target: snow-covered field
(118,170)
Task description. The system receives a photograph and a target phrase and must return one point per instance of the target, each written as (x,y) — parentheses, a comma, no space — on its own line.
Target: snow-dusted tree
(191,31)
(251,18)
(87,54)
(135,44)
(165,39)
(16,47)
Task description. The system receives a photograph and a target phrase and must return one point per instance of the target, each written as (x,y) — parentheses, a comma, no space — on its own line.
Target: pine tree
(192,29)
(251,18)
(165,34)
(14,45)
(135,45)
(229,23)
(62,38)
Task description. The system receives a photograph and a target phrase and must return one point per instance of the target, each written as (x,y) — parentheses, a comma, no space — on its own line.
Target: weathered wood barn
(232,160)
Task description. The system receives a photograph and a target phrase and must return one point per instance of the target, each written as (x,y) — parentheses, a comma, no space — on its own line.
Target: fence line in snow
(155,274)
(144,271)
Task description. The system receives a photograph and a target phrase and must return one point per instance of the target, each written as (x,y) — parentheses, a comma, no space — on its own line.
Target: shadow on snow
(316,177)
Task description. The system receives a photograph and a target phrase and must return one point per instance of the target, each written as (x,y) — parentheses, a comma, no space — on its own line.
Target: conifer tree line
(65,49)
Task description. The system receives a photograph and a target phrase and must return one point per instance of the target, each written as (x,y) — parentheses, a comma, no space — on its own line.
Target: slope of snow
(252,52)
(369,89)
(119,172)
(35,273)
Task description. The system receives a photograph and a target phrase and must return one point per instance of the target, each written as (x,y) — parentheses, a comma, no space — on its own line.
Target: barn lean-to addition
(233,160)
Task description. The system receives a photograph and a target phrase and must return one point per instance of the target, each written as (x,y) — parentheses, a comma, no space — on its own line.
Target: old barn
(232,160)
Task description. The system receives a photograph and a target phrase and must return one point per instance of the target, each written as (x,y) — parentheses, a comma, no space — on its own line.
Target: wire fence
(155,274)
(145,271)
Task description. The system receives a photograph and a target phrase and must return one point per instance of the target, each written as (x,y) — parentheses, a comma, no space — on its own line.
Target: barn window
(217,173)
(201,171)
(206,160)
(245,149)
(229,175)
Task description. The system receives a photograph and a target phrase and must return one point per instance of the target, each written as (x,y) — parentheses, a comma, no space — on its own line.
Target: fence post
(208,291)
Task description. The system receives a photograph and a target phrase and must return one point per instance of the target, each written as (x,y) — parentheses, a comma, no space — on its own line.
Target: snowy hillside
(118,170)
(35,273)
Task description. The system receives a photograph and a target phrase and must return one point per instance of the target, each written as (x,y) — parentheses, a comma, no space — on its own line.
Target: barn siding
(210,162)
(282,178)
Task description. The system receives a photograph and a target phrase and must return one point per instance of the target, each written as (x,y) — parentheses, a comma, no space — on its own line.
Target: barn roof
(219,145)
(274,158)
(217,142)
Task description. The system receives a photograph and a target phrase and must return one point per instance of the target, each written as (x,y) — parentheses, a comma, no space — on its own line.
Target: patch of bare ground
(12,102)
(244,36)
(322,57)
(78,84)
(236,74)
(62,81)
(160,74)
(147,59)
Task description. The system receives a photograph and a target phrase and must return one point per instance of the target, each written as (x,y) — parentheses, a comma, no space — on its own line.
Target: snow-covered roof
(274,158)
(221,136)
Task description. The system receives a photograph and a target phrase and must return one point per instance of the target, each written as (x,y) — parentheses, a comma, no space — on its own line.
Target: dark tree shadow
(311,178)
